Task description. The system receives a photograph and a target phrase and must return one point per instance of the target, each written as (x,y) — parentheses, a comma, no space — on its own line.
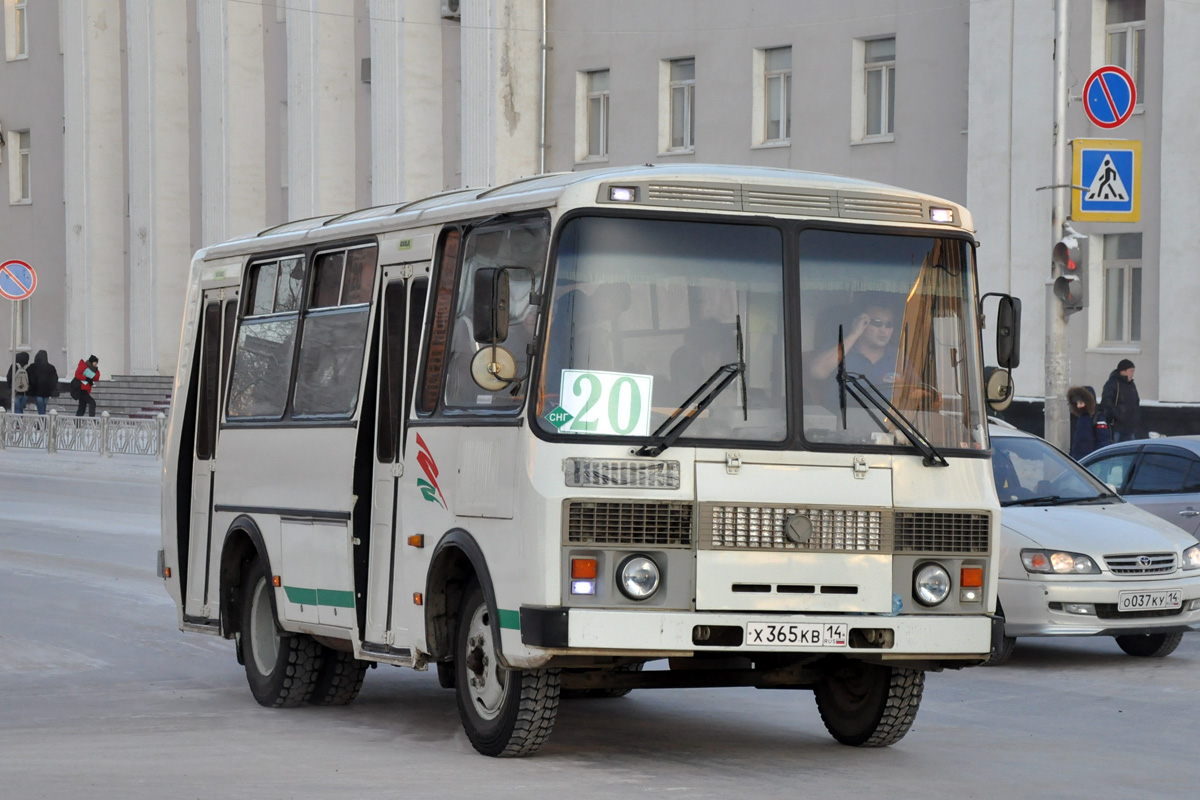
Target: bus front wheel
(505,712)
(281,668)
(869,705)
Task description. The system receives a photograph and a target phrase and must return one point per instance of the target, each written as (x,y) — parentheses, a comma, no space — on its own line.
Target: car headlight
(638,577)
(1191,557)
(1057,562)
(931,584)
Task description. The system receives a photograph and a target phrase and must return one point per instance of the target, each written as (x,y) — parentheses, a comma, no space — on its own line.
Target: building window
(19,185)
(1125,39)
(597,114)
(16,30)
(682,92)
(777,94)
(879,72)
(1123,288)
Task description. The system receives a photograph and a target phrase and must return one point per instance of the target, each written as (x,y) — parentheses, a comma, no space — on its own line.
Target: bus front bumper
(575,631)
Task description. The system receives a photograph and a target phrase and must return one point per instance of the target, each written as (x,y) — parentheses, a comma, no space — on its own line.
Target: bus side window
(266,339)
(439,332)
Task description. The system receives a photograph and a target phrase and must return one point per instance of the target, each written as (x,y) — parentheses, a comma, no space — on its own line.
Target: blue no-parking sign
(1107,175)
(17,280)
(1109,97)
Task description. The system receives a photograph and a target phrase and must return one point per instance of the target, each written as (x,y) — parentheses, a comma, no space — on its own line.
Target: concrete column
(94,183)
(232,100)
(1179,242)
(322,74)
(406,99)
(501,80)
(159,180)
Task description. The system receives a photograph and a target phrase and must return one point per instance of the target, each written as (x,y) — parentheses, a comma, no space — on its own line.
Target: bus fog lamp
(583,587)
(931,584)
(638,577)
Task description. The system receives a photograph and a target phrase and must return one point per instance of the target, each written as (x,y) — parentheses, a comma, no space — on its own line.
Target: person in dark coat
(43,380)
(1090,431)
(18,398)
(87,373)
(1120,404)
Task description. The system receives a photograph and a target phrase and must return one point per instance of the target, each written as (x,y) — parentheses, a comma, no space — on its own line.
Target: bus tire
(869,705)
(1150,645)
(505,713)
(339,679)
(445,674)
(281,668)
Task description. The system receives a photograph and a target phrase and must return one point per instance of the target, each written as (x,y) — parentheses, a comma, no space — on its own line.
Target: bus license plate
(792,634)
(1150,601)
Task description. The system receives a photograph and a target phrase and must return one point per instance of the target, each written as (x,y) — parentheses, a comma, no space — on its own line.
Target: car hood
(1095,529)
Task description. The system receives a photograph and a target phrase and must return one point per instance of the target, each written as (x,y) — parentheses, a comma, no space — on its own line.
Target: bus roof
(761,190)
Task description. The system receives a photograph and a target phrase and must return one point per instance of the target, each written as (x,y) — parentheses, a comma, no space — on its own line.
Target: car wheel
(1007,643)
(869,705)
(1150,645)
(505,712)
(281,668)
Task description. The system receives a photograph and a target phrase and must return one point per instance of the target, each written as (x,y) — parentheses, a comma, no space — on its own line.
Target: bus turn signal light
(971,576)
(276,581)
(416,540)
(583,568)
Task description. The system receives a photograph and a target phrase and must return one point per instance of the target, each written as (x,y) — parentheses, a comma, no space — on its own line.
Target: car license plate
(793,634)
(1150,601)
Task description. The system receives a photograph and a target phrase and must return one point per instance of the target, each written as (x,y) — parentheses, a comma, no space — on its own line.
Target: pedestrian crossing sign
(1107,179)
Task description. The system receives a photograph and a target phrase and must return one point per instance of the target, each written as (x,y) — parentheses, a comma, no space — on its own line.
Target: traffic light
(1069,285)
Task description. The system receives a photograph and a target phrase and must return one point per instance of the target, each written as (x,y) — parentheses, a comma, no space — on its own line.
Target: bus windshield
(889,316)
(644,312)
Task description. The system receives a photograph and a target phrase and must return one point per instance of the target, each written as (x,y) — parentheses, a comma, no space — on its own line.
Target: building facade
(149,129)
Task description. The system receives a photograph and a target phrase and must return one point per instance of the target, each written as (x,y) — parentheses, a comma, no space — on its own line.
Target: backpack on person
(20,379)
(76,388)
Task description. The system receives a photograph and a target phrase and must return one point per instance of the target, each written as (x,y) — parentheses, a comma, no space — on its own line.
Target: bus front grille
(629,523)
(766,527)
(941,532)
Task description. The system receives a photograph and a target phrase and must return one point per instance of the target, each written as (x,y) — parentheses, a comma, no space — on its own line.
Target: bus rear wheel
(869,705)
(281,668)
(505,712)
(339,679)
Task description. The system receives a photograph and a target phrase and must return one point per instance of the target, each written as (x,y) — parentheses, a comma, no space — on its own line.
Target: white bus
(724,419)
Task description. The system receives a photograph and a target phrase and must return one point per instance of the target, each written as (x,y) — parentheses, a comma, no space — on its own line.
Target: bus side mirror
(489,317)
(1008,332)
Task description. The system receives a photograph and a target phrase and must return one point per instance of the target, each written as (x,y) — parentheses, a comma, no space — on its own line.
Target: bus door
(218,318)
(403,304)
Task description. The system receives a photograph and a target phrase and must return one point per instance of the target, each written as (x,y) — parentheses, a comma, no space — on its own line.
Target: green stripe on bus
(510,619)
(319,597)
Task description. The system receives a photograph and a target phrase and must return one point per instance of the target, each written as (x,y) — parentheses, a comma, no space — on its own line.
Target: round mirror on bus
(493,368)
(999,388)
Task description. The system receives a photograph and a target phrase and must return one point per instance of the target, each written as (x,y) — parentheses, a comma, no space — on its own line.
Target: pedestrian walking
(43,380)
(18,382)
(86,375)
(1091,430)
(1120,404)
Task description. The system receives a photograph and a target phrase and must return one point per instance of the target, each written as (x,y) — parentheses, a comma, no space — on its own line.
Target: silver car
(1077,560)
(1159,475)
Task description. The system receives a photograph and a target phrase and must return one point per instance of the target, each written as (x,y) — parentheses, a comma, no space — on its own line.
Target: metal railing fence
(103,434)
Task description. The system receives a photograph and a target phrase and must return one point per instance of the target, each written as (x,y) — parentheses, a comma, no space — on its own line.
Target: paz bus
(723,421)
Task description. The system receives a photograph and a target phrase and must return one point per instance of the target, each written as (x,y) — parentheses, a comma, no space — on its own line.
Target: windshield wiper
(853,383)
(682,417)
(1054,500)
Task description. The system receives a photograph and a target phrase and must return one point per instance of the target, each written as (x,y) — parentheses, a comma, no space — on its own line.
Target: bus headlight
(931,584)
(638,577)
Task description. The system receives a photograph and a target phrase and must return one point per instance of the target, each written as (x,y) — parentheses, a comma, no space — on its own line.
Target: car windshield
(1028,471)
(892,315)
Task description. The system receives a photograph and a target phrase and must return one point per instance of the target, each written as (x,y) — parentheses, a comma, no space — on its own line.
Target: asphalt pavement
(102,696)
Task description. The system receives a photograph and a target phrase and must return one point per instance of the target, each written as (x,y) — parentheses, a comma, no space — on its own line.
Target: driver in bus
(869,347)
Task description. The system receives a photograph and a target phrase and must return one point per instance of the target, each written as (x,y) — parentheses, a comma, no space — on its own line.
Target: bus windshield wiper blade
(854,382)
(674,425)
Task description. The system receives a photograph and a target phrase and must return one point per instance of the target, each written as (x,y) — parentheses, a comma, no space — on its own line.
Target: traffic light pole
(1057,367)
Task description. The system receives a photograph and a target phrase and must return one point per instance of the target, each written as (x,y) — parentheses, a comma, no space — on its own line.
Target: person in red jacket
(87,373)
